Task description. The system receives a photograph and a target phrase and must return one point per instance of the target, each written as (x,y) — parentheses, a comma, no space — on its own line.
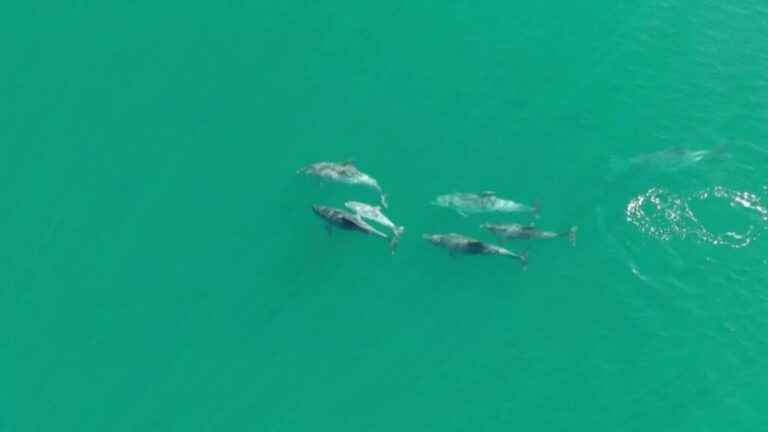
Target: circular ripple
(665,215)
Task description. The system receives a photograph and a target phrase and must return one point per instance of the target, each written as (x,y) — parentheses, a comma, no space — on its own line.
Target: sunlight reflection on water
(665,215)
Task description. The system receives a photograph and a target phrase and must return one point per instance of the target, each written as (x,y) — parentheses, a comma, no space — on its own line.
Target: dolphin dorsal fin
(348,162)
(488,193)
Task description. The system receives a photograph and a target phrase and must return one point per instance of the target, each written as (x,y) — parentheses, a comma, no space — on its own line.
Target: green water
(161,268)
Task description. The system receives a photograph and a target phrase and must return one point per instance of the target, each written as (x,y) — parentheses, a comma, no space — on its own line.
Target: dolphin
(669,160)
(483,202)
(517,231)
(347,221)
(457,243)
(373,213)
(341,219)
(344,172)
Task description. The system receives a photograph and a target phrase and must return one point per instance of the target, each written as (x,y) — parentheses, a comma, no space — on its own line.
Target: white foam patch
(665,215)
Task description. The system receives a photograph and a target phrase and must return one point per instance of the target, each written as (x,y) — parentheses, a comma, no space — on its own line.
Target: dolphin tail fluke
(394,243)
(572,235)
(523,256)
(395,240)
(384,202)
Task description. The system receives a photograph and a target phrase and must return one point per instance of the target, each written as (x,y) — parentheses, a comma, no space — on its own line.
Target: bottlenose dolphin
(344,172)
(483,202)
(374,214)
(668,160)
(347,221)
(457,243)
(341,219)
(517,231)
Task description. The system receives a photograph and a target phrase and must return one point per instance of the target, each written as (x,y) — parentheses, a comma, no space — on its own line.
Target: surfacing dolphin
(527,232)
(483,202)
(346,221)
(344,172)
(373,213)
(457,243)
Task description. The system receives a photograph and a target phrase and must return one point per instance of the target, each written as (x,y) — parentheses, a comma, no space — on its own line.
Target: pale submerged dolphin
(668,160)
(482,202)
(373,213)
(527,232)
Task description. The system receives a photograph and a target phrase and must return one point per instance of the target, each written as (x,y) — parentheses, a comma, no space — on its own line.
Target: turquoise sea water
(161,268)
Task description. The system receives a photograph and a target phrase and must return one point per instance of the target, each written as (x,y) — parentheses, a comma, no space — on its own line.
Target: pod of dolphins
(359,214)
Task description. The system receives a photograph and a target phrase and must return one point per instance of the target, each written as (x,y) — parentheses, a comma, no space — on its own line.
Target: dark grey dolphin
(347,221)
(457,243)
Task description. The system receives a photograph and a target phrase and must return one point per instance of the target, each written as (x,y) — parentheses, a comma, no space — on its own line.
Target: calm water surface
(161,268)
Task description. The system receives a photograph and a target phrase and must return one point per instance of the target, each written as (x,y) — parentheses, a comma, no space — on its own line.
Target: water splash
(665,215)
